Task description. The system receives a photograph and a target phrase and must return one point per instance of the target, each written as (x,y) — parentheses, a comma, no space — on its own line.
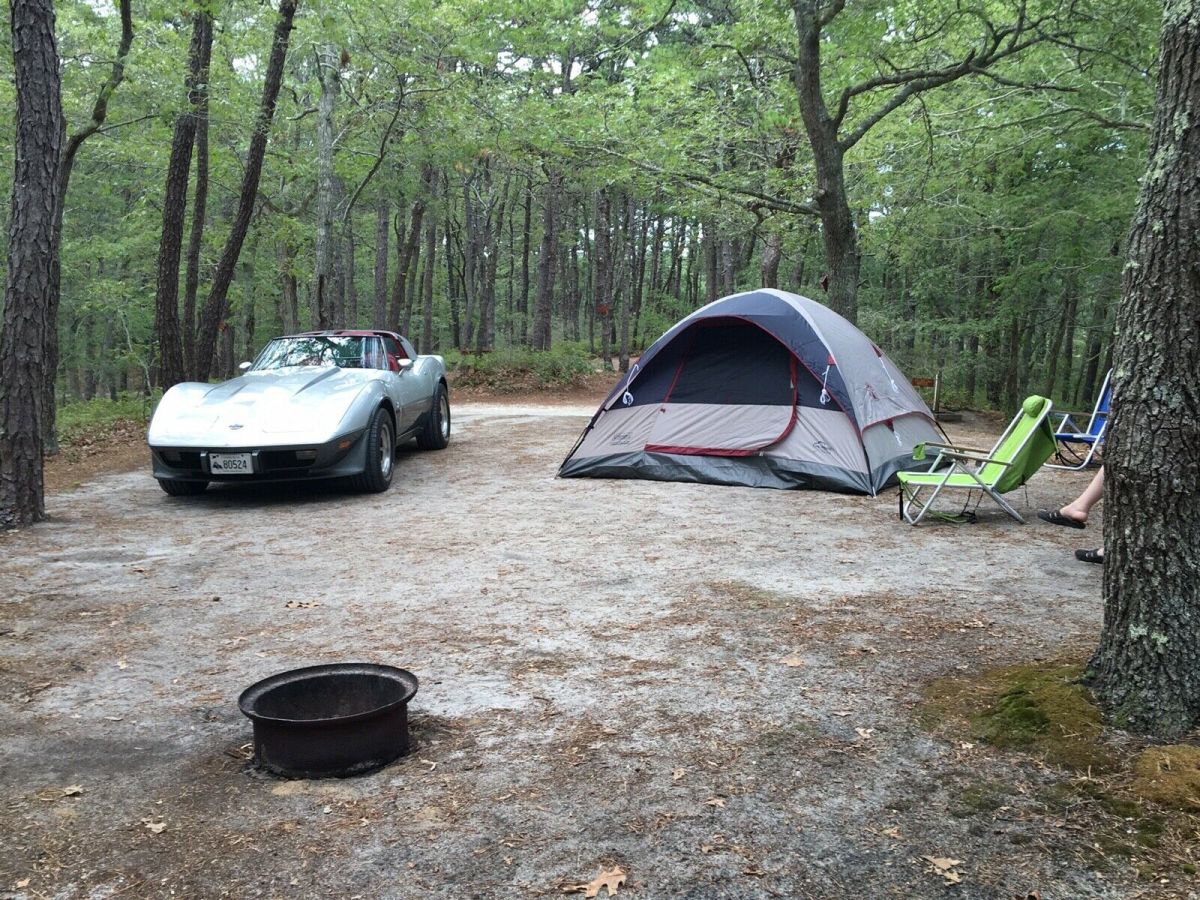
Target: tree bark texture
(327,61)
(427,308)
(833,205)
(170,367)
(383,215)
(602,264)
(1146,671)
(28,290)
(65,166)
(191,278)
(547,256)
(215,305)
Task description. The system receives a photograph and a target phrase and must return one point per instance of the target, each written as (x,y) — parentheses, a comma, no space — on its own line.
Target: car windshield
(342,351)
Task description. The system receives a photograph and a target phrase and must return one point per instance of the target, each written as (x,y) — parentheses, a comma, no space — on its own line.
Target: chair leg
(1004,505)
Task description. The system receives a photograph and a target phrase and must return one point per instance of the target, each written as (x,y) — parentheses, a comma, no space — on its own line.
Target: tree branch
(753,199)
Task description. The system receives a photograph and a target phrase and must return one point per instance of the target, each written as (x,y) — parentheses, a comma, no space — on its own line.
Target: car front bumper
(344,456)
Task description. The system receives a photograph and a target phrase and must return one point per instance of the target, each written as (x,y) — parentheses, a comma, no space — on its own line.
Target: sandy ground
(713,688)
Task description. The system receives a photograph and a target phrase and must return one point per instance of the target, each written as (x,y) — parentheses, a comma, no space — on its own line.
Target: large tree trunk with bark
(214,306)
(837,223)
(170,369)
(1146,671)
(29,289)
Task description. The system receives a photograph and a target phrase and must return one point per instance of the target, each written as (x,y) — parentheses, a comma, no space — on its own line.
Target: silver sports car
(325,404)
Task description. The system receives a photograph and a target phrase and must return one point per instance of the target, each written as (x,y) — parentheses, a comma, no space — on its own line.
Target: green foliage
(513,371)
(985,210)
(93,418)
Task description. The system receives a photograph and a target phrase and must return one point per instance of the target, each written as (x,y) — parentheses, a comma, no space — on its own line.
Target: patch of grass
(85,421)
(1169,776)
(1142,815)
(1040,709)
(520,370)
(980,797)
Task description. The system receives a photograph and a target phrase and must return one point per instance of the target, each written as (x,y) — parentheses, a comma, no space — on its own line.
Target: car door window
(374,356)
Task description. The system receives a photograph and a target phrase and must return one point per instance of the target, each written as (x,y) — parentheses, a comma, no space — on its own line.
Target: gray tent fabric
(763,389)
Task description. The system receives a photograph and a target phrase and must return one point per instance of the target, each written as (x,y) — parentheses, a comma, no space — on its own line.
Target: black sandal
(1092,556)
(1055,517)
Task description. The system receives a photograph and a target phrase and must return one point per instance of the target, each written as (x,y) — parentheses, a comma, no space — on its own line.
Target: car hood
(301,404)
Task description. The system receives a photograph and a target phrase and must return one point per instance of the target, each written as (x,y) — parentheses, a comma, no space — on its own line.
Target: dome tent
(762,389)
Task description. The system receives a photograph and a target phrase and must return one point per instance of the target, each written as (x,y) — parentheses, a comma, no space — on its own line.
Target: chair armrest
(955,448)
(974,456)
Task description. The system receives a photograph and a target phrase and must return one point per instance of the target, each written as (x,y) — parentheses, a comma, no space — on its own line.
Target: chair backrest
(1099,420)
(1025,445)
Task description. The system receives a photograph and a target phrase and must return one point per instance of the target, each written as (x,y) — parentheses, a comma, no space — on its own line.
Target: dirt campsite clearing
(718,691)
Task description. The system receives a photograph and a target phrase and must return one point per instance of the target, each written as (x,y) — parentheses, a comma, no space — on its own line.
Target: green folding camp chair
(1027,442)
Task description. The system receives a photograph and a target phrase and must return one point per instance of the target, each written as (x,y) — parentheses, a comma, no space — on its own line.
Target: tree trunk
(29,288)
(174,210)
(406,247)
(711,289)
(602,299)
(191,278)
(427,300)
(65,166)
(289,312)
(383,217)
(323,265)
(523,309)
(351,315)
(546,263)
(1146,671)
(214,306)
(249,351)
(772,254)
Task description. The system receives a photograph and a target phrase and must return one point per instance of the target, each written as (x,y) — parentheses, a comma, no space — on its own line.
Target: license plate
(230,464)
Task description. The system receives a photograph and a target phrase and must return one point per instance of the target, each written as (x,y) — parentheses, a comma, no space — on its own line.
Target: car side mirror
(405,363)
(245,366)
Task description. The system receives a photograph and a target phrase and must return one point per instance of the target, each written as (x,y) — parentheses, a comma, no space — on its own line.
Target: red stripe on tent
(698,451)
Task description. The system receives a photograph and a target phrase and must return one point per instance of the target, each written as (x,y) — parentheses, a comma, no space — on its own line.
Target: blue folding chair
(1077,446)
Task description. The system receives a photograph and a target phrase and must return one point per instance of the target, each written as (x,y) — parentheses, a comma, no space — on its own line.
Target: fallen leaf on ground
(794,661)
(892,832)
(72,790)
(864,732)
(155,827)
(121,664)
(715,801)
(841,712)
(944,866)
(608,878)
(23,883)
(677,774)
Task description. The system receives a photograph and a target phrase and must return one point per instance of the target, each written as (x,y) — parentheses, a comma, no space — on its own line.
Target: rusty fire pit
(330,721)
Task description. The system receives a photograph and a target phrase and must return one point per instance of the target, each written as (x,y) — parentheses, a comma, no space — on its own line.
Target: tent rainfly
(762,389)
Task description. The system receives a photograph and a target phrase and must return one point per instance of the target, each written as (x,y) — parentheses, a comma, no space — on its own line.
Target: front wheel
(436,433)
(182,488)
(376,475)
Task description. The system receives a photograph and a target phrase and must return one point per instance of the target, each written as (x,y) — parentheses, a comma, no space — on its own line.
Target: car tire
(376,476)
(182,488)
(436,433)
